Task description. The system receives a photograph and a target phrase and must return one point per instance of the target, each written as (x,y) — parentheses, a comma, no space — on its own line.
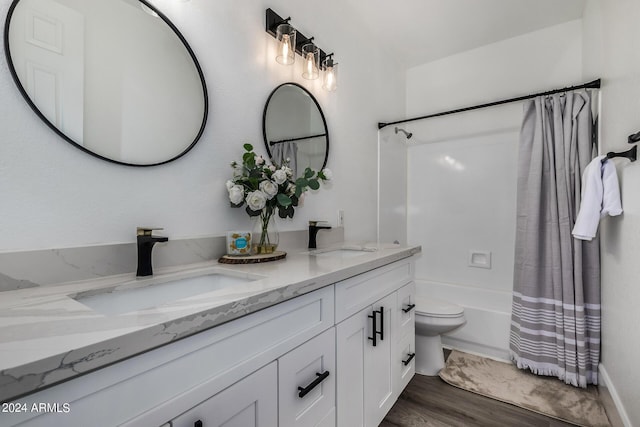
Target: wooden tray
(252,259)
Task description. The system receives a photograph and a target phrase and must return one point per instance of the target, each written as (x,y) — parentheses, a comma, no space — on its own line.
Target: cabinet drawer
(406,311)
(307,383)
(354,294)
(406,350)
(251,402)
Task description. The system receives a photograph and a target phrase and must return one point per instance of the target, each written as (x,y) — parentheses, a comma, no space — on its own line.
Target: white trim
(605,381)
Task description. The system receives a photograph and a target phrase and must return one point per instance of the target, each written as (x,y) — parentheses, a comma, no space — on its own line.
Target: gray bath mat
(506,383)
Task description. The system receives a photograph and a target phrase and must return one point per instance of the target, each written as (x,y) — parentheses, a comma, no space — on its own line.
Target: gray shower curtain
(555,322)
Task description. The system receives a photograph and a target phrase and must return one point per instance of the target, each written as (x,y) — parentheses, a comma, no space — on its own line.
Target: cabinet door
(251,401)
(312,368)
(351,344)
(365,388)
(379,361)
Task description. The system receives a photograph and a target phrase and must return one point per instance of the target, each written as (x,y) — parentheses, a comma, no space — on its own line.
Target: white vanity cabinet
(370,343)
(307,361)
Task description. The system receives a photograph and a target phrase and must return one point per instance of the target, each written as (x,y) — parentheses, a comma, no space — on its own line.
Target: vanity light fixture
(291,41)
(286,37)
(311,56)
(330,81)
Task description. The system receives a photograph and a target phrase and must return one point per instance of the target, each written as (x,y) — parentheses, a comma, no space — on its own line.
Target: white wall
(54,195)
(612,51)
(462,171)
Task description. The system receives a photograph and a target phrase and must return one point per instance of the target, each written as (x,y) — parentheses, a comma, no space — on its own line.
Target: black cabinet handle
(198,424)
(374,325)
(411,356)
(304,390)
(409,308)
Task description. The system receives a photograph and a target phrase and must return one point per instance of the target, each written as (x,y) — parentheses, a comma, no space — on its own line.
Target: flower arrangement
(267,188)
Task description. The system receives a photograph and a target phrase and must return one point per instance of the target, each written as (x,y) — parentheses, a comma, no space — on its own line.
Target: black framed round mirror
(114,78)
(294,128)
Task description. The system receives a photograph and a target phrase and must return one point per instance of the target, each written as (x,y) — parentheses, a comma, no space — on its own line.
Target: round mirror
(115,78)
(294,128)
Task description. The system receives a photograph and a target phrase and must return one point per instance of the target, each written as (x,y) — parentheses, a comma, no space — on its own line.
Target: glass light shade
(311,57)
(330,81)
(286,42)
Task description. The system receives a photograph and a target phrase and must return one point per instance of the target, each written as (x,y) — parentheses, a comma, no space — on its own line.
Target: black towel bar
(631,154)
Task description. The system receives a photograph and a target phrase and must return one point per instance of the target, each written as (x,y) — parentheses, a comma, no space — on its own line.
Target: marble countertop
(47,336)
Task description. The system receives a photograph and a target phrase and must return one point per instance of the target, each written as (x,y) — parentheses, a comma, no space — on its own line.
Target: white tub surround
(48,337)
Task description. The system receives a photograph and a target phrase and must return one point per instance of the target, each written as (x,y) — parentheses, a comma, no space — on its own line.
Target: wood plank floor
(429,401)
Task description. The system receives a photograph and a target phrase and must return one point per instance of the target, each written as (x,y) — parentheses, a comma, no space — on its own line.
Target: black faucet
(313,232)
(145,244)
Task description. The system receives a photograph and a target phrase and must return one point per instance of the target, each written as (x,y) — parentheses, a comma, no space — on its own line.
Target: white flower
(288,170)
(291,189)
(269,188)
(256,200)
(272,168)
(236,194)
(259,160)
(279,176)
(327,174)
(229,184)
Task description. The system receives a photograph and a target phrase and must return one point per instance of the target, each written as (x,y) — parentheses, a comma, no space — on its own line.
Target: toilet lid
(437,307)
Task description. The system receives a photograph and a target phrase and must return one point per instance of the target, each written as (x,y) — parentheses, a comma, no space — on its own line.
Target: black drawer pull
(381,323)
(409,308)
(304,390)
(411,356)
(198,424)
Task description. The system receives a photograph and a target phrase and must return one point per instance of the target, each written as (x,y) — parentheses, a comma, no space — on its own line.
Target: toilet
(433,318)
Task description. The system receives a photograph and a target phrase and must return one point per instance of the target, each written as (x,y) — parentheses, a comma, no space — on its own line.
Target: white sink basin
(344,252)
(136,296)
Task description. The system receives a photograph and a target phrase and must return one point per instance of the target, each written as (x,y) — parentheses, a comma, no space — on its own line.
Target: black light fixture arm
(271,25)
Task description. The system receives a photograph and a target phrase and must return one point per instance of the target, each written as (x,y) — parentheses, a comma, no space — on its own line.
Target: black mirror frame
(14,75)
(264,120)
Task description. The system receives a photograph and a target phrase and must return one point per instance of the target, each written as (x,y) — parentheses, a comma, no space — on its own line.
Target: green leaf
(314,184)
(298,191)
(308,173)
(282,212)
(284,200)
(302,182)
(248,147)
(322,176)
(294,200)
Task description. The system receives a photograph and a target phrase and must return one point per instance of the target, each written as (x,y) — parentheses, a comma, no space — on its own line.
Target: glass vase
(265,234)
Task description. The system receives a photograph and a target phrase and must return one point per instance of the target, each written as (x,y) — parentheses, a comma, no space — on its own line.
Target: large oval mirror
(113,77)
(294,128)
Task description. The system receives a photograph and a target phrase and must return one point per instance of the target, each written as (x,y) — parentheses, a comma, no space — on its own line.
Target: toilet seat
(434,307)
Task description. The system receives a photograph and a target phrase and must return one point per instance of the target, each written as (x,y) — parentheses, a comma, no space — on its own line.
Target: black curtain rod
(591,85)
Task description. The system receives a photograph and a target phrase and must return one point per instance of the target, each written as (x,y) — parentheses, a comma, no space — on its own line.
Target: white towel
(600,197)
